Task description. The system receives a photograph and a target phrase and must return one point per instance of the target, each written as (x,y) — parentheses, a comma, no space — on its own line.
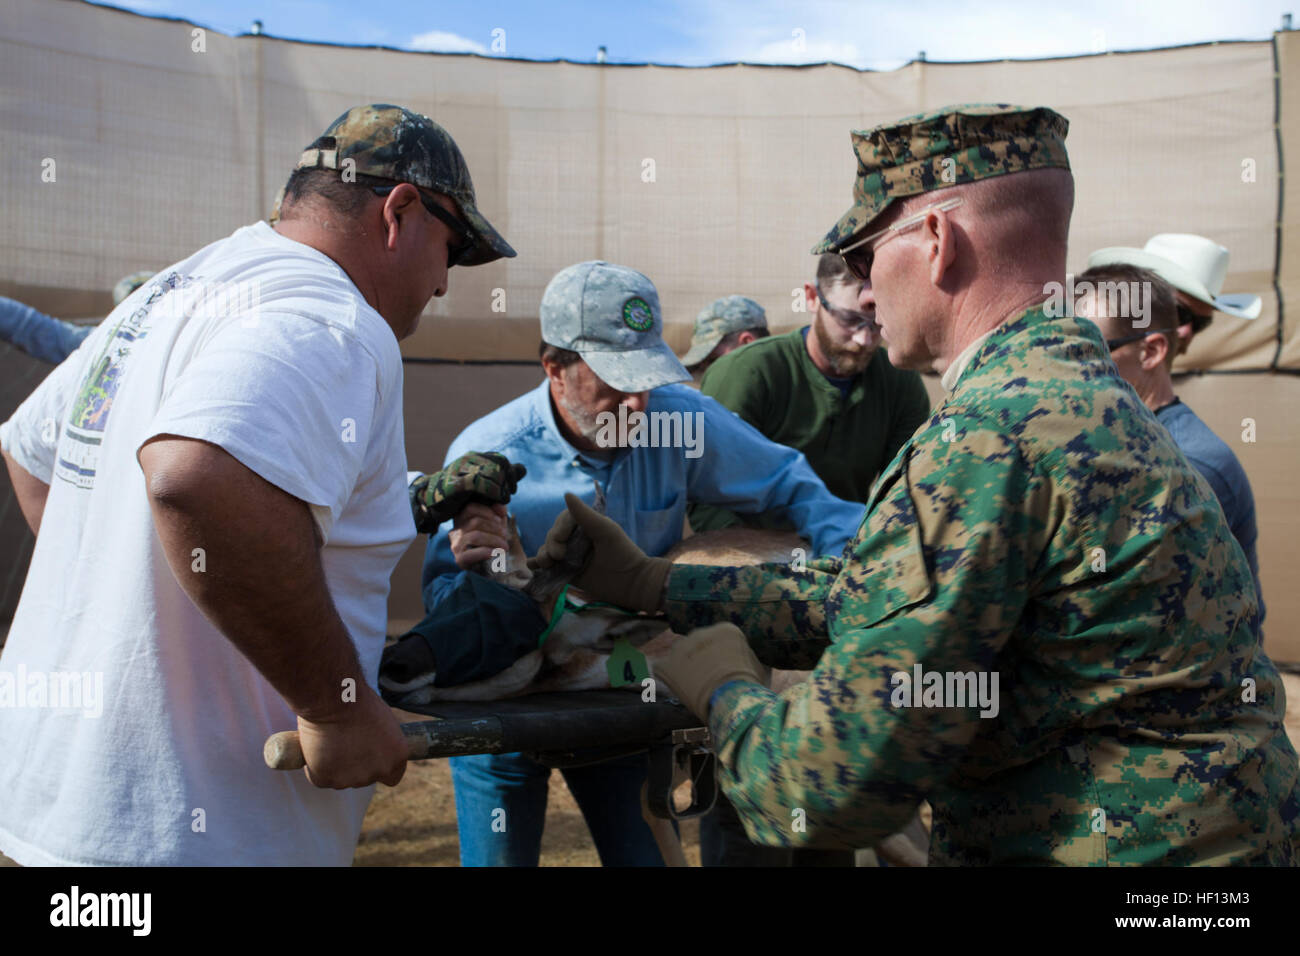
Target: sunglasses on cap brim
(465,239)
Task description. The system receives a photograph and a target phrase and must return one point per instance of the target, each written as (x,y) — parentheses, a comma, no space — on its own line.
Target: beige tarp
(712,181)
(1288,54)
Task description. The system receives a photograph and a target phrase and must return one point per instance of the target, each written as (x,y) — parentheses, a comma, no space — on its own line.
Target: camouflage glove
(474,476)
(705,659)
(614,569)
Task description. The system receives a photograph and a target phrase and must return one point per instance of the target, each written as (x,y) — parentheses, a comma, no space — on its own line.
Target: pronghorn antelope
(576,653)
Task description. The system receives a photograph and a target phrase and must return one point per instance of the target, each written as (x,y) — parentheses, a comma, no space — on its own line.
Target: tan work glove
(613,569)
(703,661)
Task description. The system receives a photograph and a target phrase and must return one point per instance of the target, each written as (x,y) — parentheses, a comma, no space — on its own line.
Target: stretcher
(562,730)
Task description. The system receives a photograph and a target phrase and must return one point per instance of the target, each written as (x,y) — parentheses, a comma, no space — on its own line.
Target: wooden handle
(283,751)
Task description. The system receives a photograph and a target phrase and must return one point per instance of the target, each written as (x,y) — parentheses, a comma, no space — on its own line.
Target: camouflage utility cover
(391,142)
(952,145)
(1042,525)
(717,320)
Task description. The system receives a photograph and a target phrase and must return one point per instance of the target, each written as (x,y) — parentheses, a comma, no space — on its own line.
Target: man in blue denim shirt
(602,349)
(41,336)
(49,339)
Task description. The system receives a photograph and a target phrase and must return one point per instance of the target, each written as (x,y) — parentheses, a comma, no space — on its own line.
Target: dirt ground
(414,823)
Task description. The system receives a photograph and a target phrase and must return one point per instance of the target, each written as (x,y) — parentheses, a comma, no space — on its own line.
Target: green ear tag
(626,665)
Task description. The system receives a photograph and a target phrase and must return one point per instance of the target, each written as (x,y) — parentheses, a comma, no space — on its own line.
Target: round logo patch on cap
(637,314)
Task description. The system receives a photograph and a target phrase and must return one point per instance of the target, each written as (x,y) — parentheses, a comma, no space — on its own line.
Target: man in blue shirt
(49,339)
(41,336)
(608,413)
(1195,268)
(1143,347)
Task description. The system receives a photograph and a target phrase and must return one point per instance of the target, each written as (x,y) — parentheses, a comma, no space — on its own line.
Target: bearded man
(827,390)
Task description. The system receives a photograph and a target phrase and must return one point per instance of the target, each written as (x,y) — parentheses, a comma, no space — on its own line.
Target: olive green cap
(718,319)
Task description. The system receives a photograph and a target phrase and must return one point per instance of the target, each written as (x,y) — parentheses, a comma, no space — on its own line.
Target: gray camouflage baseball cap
(391,142)
(610,316)
(718,319)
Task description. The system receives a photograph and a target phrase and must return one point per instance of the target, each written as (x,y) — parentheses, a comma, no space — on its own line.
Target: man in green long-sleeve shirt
(827,390)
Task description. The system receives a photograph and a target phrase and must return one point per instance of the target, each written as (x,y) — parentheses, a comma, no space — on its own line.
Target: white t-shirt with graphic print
(131,730)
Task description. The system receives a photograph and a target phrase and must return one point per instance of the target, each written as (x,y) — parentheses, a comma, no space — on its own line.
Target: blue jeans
(608,793)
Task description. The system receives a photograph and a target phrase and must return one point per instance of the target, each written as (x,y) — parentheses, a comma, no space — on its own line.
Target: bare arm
(263,586)
(29,490)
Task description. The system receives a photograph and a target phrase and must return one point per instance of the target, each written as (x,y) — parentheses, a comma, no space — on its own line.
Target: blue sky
(866,33)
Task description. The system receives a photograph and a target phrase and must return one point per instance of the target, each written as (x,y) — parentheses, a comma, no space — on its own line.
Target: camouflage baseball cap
(946,147)
(610,316)
(391,142)
(732,313)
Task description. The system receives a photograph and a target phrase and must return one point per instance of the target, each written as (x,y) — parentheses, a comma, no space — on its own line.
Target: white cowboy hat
(1191,264)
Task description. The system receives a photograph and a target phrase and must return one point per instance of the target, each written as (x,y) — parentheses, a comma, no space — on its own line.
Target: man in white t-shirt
(217,479)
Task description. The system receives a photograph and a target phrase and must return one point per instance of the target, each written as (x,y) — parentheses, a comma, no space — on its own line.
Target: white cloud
(883,35)
(439,41)
(799,49)
(148,7)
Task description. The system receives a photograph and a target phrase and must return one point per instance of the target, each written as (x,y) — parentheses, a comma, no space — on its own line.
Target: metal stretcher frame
(579,728)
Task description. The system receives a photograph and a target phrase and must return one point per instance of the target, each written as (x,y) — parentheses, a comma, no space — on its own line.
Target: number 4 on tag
(626,665)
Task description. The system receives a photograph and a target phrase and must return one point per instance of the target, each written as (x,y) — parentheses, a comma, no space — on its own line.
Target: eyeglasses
(858,259)
(845,318)
(1187,317)
(1113,344)
(456,254)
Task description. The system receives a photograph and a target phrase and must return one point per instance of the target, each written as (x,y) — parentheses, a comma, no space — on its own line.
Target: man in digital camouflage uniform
(1041,526)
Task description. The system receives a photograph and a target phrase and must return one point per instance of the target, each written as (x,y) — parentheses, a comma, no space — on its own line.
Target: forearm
(247,554)
(39,335)
(30,491)
(857,746)
(781,610)
(748,474)
(850,752)
(439,569)
(793,496)
(793,780)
